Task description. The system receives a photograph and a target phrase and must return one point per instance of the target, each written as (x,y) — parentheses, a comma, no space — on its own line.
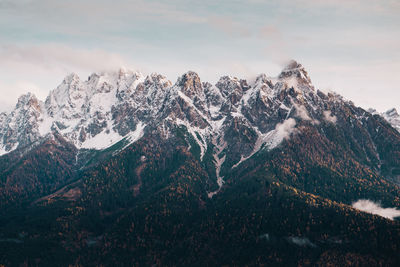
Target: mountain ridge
(102,98)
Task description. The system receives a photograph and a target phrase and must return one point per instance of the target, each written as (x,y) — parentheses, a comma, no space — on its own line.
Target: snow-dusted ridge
(392,116)
(234,118)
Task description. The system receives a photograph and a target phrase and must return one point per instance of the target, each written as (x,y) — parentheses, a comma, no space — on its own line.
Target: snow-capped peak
(109,106)
(392,113)
(228,84)
(28,100)
(393,117)
(190,84)
(294,72)
(71,78)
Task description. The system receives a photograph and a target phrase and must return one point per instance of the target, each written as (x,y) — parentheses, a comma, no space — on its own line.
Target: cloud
(281,132)
(285,129)
(302,113)
(329,118)
(375,208)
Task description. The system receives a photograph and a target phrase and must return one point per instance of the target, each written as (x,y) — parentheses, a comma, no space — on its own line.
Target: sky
(351,47)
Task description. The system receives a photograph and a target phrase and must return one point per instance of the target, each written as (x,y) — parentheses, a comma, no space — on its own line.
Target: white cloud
(285,129)
(329,117)
(302,113)
(375,208)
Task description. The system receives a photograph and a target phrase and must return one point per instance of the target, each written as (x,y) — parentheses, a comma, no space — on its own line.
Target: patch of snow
(271,139)
(109,137)
(190,102)
(3,150)
(236,114)
(292,82)
(283,106)
(218,149)
(214,110)
(193,130)
(135,135)
(393,117)
(45,124)
(105,139)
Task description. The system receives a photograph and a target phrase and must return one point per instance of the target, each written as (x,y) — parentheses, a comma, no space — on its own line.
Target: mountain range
(127,169)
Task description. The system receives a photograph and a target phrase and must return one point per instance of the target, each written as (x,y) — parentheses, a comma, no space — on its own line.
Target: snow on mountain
(232,118)
(107,107)
(391,116)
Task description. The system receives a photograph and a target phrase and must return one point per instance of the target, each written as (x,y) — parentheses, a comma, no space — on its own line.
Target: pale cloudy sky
(351,47)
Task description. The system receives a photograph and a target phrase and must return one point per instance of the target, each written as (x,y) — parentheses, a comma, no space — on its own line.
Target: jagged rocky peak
(213,95)
(392,113)
(152,90)
(62,93)
(264,79)
(71,78)
(157,79)
(229,84)
(20,127)
(232,88)
(264,84)
(393,117)
(295,70)
(123,72)
(110,81)
(28,101)
(109,105)
(190,84)
(3,116)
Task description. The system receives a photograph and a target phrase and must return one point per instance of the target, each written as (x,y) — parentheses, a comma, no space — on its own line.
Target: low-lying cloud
(375,208)
(329,117)
(301,112)
(285,129)
(301,241)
